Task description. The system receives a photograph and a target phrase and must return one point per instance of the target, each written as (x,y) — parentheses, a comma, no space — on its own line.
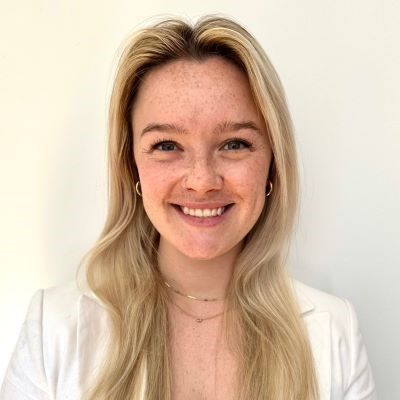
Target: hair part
(273,349)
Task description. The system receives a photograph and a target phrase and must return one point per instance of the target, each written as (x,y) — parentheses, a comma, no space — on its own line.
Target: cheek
(153,185)
(156,179)
(250,180)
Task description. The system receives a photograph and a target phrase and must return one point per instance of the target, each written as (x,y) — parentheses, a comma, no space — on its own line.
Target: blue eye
(170,145)
(163,146)
(236,144)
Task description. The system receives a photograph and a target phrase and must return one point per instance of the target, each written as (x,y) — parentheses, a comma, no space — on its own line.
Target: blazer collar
(305,304)
(318,327)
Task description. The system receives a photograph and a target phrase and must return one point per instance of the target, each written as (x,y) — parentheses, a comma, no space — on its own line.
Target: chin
(202,253)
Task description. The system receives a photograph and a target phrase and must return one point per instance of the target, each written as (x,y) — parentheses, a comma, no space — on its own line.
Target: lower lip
(204,222)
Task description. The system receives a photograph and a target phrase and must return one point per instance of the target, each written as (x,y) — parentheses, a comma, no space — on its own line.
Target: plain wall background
(339,64)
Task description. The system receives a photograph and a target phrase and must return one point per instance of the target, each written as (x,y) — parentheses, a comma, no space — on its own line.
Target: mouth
(207,213)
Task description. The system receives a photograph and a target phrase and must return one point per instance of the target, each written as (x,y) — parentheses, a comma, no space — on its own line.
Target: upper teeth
(205,212)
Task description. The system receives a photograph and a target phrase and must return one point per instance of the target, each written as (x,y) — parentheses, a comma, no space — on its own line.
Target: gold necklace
(197,319)
(188,295)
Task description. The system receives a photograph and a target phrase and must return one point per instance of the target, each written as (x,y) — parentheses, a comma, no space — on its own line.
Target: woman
(185,293)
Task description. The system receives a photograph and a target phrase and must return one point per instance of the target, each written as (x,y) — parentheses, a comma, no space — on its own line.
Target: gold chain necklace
(188,295)
(197,319)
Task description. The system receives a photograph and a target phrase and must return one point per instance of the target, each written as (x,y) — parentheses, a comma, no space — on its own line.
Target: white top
(61,342)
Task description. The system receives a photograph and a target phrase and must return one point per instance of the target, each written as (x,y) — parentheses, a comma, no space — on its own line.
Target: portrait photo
(200,200)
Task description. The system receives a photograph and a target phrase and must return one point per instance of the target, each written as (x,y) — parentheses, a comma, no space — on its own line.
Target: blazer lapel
(93,339)
(318,327)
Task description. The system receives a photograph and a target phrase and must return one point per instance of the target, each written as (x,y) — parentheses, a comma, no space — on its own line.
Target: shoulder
(74,334)
(61,301)
(337,344)
(322,308)
(66,304)
(312,299)
(68,312)
(57,345)
(317,305)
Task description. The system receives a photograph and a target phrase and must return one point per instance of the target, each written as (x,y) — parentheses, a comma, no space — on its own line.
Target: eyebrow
(226,126)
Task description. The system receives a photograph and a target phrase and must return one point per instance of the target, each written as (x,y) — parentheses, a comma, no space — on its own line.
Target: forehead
(194,92)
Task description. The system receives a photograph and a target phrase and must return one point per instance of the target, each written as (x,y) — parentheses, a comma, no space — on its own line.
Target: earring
(137,188)
(270,189)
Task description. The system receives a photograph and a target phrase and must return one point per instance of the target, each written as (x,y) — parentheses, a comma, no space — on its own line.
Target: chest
(203,365)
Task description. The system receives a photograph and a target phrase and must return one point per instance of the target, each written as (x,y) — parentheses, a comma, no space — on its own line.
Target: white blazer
(61,344)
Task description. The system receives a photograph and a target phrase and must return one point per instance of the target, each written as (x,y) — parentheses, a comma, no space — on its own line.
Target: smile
(203,217)
(203,213)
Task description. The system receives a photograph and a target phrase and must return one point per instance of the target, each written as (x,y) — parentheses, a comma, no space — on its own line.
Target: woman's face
(200,144)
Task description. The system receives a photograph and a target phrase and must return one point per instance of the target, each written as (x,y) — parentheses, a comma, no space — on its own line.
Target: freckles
(157,175)
(249,183)
(252,173)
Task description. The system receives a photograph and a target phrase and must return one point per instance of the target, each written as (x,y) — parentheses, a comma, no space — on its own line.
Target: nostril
(203,182)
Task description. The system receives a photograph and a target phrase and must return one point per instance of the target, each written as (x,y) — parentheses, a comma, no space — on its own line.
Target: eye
(165,146)
(236,144)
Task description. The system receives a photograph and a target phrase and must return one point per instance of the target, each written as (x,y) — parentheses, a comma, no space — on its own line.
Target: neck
(199,278)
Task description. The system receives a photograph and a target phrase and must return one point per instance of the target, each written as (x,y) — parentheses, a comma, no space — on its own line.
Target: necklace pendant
(199,320)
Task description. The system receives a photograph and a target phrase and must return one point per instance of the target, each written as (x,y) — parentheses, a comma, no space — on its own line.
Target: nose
(202,176)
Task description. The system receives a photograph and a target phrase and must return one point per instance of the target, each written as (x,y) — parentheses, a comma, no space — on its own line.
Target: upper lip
(202,206)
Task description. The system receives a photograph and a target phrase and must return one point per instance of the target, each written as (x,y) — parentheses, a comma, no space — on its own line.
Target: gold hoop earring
(270,189)
(137,188)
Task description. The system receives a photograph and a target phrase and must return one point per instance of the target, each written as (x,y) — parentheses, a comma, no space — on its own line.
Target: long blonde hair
(274,353)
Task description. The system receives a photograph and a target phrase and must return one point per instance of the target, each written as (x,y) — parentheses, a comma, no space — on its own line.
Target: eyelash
(155,144)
